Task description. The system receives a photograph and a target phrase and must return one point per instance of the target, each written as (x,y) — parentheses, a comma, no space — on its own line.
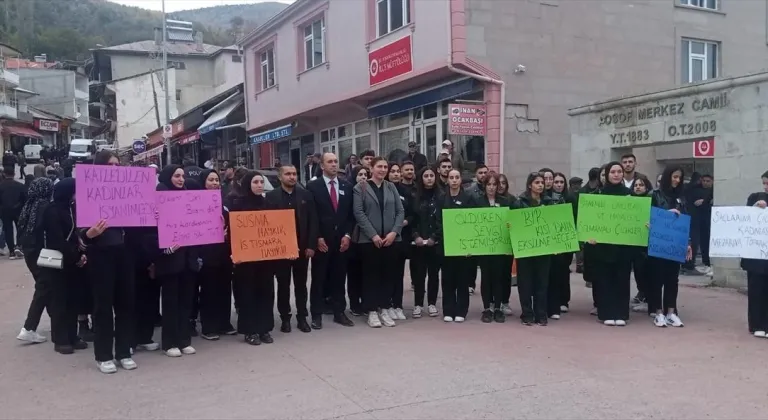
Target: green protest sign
(543,230)
(611,219)
(480,231)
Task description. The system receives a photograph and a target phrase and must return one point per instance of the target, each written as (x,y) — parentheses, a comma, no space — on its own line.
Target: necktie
(334,199)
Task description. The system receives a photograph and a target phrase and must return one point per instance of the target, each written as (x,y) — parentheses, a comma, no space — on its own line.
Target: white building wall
(135,105)
(227,73)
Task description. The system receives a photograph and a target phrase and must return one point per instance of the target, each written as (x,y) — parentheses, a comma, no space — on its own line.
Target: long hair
(565,183)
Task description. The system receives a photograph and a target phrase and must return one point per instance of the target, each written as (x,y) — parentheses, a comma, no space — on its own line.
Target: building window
(178,65)
(178,94)
(267,58)
(700,60)
(392,15)
(704,4)
(237,59)
(314,44)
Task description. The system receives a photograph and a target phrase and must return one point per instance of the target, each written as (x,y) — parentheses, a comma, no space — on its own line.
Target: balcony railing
(8,110)
(9,78)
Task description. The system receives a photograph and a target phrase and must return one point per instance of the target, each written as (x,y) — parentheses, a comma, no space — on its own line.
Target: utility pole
(165,85)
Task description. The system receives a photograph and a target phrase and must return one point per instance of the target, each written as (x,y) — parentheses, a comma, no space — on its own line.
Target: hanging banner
(467,120)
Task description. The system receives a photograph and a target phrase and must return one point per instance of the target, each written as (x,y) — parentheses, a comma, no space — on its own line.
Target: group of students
(358,232)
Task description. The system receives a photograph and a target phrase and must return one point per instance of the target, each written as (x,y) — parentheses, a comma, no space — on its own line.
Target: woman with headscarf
(215,277)
(111,274)
(255,280)
(559,287)
(194,314)
(663,287)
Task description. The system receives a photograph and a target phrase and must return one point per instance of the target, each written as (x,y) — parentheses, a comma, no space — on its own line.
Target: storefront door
(425,135)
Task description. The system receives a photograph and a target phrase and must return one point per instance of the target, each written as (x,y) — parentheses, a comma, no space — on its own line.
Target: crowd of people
(356,234)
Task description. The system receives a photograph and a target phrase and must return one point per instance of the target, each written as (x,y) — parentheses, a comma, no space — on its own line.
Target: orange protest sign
(263,235)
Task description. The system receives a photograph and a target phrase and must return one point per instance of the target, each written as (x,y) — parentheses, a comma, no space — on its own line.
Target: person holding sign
(663,287)
(641,187)
(757,276)
(559,287)
(427,253)
(379,214)
(494,268)
(457,270)
(255,280)
(533,272)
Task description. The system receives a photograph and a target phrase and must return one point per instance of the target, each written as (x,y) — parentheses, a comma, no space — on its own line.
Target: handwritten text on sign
(543,230)
(263,235)
(123,195)
(189,218)
(668,238)
(739,232)
(611,219)
(476,232)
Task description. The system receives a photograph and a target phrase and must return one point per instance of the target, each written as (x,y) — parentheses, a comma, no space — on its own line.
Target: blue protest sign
(668,238)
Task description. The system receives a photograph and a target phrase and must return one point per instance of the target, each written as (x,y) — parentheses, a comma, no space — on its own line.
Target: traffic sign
(167,131)
(139,146)
(704,149)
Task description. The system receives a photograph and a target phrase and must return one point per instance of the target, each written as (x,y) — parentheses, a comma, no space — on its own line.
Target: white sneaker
(373,320)
(392,314)
(760,334)
(564,309)
(148,347)
(188,350)
(30,336)
(609,322)
(128,364)
(386,320)
(660,321)
(674,320)
(593,312)
(432,309)
(399,314)
(417,312)
(447,319)
(640,307)
(506,309)
(458,319)
(471,291)
(555,316)
(107,367)
(173,352)
(621,323)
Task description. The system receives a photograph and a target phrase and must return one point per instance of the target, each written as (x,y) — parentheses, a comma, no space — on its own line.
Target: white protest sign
(739,232)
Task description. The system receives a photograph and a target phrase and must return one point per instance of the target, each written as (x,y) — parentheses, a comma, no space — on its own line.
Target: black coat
(333,224)
(748,264)
(427,216)
(407,198)
(463,200)
(307,227)
(419,161)
(12,196)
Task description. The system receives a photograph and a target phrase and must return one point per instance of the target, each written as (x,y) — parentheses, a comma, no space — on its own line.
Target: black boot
(84,331)
(285,326)
(302,325)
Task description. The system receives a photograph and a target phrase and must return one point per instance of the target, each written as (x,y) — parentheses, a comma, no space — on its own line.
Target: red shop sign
(467,120)
(392,60)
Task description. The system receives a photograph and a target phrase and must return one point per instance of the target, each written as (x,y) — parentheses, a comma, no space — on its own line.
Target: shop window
(430,111)
(392,15)
(393,144)
(363,127)
(704,4)
(237,59)
(394,120)
(267,59)
(178,94)
(699,60)
(471,148)
(362,143)
(314,44)
(345,151)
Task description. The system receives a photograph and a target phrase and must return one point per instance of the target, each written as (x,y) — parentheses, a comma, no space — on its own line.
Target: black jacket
(419,161)
(333,224)
(407,198)
(12,196)
(501,201)
(463,200)
(307,226)
(427,215)
(748,264)
(697,192)
(525,201)
(315,172)
(9,160)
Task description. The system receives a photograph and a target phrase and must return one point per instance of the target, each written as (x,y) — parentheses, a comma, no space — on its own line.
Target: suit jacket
(307,227)
(316,172)
(369,216)
(333,224)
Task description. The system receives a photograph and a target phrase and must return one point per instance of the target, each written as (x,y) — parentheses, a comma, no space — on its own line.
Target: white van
(32,152)
(81,149)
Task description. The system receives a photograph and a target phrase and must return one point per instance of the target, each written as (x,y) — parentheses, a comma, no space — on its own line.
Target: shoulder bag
(51,258)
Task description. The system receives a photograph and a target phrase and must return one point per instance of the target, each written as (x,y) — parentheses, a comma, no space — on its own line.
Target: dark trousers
(111,272)
(147,305)
(355,279)
(380,272)
(588,271)
(642,273)
(41,299)
(65,290)
(283,270)
(21,171)
(508,284)
(494,270)
(329,272)
(705,229)
(194,312)
(11,239)
(473,273)
(425,268)
(257,297)
(215,298)
(457,277)
(559,287)
(177,293)
(757,301)
(532,283)
(613,281)
(403,253)
(84,299)
(663,285)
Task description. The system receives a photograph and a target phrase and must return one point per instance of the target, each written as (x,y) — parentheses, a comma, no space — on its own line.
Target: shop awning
(218,118)
(149,153)
(425,97)
(15,130)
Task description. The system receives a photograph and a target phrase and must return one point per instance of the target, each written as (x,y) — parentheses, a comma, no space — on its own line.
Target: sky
(176,5)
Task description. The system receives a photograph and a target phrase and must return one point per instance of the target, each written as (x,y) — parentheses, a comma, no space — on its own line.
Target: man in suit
(312,169)
(302,203)
(333,200)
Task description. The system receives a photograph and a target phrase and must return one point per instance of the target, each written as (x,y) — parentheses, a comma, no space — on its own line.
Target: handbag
(51,258)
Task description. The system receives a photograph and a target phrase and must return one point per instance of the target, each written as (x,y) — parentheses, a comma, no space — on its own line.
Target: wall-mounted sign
(704,148)
(189,139)
(139,146)
(167,131)
(47,125)
(274,134)
(391,60)
(467,120)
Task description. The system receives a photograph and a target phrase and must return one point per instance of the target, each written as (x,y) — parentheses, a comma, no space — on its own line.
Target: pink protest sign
(190,217)
(123,195)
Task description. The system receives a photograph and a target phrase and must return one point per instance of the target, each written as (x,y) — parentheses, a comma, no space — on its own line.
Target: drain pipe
(502,105)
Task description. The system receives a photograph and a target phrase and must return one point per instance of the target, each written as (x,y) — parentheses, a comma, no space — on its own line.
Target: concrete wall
(581,51)
(135,103)
(226,73)
(602,131)
(55,90)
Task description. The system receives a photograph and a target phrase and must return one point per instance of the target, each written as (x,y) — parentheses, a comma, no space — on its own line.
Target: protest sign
(668,237)
(613,219)
(543,230)
(122,195)
(480,231)
(739,232)
(189,217)
(263,235)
